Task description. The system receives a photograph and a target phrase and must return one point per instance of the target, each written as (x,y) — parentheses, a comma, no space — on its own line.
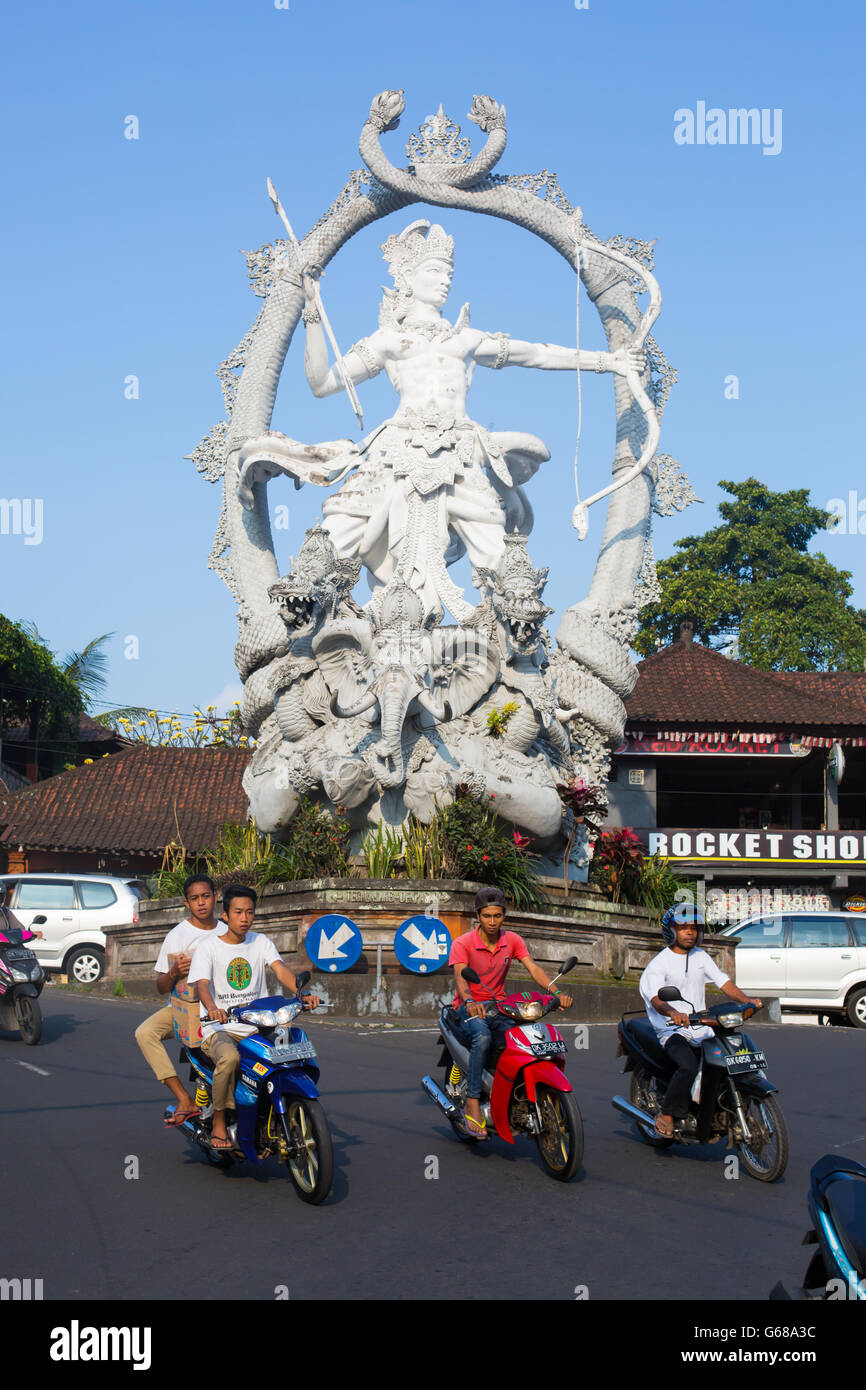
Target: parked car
(811,960)
(72,911)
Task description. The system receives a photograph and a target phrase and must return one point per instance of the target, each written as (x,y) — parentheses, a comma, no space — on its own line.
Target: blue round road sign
(422,944)
(333,942)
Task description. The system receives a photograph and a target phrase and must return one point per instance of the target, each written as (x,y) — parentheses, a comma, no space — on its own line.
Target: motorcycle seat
(644,1036)
(199,1056)
(845,1197)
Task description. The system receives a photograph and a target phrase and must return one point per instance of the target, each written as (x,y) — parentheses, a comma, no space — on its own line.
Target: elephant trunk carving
(397,689)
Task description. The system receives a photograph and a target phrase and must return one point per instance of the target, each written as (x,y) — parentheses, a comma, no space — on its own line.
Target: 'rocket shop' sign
(820,847)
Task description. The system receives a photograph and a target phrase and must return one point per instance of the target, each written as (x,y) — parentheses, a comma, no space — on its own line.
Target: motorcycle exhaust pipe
(436,1093)
(620,1103)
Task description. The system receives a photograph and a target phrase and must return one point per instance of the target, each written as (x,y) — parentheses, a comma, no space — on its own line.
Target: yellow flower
(88,760)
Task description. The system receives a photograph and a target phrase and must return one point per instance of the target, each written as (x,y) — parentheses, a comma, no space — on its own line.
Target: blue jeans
(474,1034)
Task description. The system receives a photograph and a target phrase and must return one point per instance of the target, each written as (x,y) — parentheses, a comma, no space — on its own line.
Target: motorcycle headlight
(530,1011)
(22,976)
(730,1020)
(261,1018)
(288,1012)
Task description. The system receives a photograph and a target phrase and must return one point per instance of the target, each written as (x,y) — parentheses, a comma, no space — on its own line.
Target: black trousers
(687,1058)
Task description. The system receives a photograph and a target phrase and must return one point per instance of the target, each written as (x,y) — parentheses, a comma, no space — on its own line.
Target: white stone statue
(429,484)
(385,710)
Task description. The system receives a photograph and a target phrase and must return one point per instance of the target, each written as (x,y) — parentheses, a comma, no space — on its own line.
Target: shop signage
(646,746)
(816,847)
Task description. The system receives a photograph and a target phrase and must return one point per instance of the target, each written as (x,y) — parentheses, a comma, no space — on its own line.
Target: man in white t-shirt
(683,964)
(171,968)
(228,969)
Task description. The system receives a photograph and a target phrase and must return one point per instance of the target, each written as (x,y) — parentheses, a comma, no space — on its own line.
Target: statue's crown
(419,242)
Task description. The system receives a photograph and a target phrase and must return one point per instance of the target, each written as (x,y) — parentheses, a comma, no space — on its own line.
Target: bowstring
(579,389)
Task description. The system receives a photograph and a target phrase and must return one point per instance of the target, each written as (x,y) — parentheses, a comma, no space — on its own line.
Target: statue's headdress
(405,250)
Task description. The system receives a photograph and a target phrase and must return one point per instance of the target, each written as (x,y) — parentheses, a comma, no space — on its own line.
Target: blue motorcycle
(277,1110)
(837,1206)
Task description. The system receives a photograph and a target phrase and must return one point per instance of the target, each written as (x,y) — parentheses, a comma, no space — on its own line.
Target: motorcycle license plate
(746,1061)
(293,1052)
(548,1049)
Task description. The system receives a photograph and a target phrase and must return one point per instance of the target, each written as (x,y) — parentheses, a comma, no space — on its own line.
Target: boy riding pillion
(171,968)
(489,950)
(690,969)
(228,970)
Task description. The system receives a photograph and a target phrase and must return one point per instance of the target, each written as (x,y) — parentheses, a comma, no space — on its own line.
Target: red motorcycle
(527,1091)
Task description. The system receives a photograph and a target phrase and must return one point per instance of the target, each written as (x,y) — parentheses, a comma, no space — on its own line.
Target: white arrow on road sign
(426,947)
(329,946)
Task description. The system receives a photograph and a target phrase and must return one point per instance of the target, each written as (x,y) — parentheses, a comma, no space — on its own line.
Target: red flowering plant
(617,865)
(586,803)
(481,847)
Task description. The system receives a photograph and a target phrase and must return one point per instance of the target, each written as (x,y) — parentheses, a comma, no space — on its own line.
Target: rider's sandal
(665,1130)
(219,1144)
(476,1129)
(181,1116)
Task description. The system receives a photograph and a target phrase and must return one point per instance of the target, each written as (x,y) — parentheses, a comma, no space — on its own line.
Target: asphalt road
(79,1106)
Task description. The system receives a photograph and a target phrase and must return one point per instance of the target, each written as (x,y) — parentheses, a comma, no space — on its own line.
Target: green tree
(753,580)
(34,689)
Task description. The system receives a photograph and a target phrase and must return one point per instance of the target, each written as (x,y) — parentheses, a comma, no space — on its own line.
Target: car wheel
(85,965)
(855,1007)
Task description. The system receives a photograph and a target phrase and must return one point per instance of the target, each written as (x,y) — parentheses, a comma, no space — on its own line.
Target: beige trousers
(224,1054)
(150,1035)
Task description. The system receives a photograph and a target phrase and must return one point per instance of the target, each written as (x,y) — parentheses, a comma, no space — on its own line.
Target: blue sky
(122,257)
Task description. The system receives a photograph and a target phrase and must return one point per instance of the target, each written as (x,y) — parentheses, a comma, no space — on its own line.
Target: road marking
(30,1067)
(394,1031)
(857,1140)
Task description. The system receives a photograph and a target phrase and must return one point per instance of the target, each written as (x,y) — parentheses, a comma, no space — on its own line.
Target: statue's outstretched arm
(498,350)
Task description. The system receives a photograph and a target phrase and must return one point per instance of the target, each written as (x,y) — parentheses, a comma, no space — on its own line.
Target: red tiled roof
(687,683)
(137,800)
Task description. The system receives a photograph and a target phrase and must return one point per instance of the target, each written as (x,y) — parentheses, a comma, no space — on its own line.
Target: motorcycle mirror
(302,979)
(669,993)
(471,976)
(569,965)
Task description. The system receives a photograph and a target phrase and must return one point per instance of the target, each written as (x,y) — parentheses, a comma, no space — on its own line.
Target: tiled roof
(137,800)
(687,683)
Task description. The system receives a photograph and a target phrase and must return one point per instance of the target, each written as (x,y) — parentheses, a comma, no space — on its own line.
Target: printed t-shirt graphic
(235,973)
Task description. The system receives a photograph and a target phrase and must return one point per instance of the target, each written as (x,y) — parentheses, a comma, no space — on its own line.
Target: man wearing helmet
(689,969)
(489,950)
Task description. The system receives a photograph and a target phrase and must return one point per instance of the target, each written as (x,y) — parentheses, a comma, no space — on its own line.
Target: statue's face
(430,281)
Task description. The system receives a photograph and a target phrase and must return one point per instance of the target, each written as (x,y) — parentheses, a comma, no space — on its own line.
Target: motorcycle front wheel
(311,1151)
(765,1157)
(560,1143)
(29,1016)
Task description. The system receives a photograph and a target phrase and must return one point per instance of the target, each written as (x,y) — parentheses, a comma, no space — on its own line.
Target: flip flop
(220,1145)
(662,1129)
(474,1128)
(180,1116)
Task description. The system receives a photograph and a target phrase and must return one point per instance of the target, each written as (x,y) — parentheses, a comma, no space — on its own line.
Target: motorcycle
(837,1206)
(731,1097)
(21,982)
(524,1089)
(277,1110)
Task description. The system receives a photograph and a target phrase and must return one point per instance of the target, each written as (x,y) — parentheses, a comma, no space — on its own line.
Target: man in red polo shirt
(489,950)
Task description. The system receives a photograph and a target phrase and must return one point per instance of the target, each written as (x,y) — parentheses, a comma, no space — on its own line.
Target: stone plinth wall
(610,940)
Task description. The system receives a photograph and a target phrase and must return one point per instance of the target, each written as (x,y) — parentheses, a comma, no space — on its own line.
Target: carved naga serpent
(592,686)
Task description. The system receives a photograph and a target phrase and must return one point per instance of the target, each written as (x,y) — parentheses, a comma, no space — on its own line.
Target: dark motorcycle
(837,1206)
(731,1097)
(21,981)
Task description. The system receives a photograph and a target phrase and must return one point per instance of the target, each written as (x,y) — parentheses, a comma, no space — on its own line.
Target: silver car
(71,911)
(811,960)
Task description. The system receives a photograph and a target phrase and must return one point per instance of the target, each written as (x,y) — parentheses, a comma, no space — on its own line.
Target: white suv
(811,960)
(71,911)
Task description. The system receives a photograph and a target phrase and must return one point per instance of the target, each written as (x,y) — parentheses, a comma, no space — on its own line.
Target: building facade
(752,783)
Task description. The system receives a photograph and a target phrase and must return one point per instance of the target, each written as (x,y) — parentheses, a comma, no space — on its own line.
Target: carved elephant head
(388,667)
